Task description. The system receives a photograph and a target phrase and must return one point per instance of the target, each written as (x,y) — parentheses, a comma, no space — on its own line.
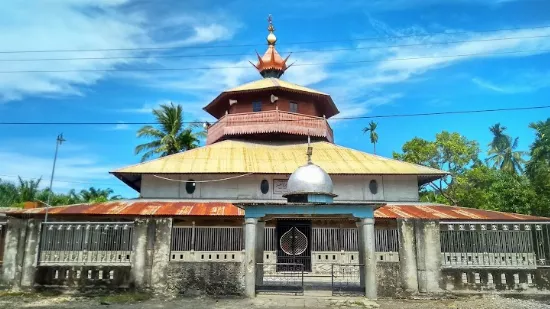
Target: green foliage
(172,136)
(14,195)
(500,185)
(502,151)
(450,151)
(538,167)
(492,189)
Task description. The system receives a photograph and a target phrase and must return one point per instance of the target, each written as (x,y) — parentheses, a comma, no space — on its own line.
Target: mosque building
(272,203)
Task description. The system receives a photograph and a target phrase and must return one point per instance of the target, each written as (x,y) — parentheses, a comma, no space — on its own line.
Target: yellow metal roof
(273,82)
(232,156)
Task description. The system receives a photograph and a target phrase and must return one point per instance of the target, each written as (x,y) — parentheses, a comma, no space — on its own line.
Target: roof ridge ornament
(271,64)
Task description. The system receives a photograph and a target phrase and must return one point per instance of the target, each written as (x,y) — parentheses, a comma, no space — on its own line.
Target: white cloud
(522,83)
(81,25)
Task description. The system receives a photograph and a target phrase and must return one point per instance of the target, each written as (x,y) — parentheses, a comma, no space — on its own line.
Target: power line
(287,51)
(299,64)
(256,44)
(290,120)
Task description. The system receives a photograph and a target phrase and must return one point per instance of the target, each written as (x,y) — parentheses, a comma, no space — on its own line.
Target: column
(428,255)
(250,228)
(13,252)
(161,254)
(30,259)
(407,255)
(260,241)
(139,255)
(368,255)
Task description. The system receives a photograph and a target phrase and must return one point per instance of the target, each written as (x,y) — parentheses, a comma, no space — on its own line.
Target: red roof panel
(176,208)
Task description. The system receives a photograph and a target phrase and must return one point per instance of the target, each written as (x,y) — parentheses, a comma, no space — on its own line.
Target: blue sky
(504,73)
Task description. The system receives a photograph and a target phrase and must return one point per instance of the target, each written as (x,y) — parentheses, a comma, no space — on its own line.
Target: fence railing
(329,245)
(346,279)
(495,244)
(289,278)
(86,243)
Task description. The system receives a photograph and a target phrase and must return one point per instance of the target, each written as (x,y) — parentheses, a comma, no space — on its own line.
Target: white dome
(309,178)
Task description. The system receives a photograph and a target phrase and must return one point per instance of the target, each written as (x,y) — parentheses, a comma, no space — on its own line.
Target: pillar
(428,255)
(31,251)
(407,255)
(161,254)
(368,255)
(13,252)
(250,229)
(139,255)
(260,241)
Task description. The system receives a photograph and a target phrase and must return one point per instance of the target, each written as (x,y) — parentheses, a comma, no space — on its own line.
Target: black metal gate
(293,245)
(348,280)
(289,281)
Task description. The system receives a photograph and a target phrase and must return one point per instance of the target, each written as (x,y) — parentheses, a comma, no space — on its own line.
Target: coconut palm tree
(28,189)
(507,159)
(500,140)
(171,137)
(373,134)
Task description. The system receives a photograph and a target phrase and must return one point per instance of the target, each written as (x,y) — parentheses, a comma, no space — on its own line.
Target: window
(190,186)
(264,186)
(373,186)
(293,107)
(256,106)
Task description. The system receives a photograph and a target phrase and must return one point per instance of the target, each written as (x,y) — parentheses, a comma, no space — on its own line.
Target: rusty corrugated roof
(141,208)
(176,208)
(445,212)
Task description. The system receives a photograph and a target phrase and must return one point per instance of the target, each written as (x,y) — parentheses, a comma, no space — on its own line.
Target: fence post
(139,254)
(30,259)
(13,252)
(161,255)
(428,255)
(407,255)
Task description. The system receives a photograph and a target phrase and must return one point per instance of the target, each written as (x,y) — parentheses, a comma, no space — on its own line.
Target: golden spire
(271,38)
(271,64)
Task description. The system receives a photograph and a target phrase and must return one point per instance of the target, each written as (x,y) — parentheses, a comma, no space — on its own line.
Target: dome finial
(271,38)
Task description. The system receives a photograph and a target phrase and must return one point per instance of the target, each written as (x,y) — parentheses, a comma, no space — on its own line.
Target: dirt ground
(133,301)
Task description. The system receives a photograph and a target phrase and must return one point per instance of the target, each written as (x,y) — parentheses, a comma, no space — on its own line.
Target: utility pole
(58,142)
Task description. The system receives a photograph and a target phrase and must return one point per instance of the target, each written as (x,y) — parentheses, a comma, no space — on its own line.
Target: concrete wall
(388,279)
(518,280)
(20,253)
(83,278)
(351,188)
(209,278)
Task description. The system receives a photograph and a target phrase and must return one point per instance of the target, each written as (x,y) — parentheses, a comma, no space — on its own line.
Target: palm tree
(94,195)
(500,140)
(373,134)
(172,137)
(507,159)
(8,194)
(28,189)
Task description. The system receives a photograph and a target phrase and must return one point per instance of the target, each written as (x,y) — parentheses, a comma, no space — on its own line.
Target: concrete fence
(151,254)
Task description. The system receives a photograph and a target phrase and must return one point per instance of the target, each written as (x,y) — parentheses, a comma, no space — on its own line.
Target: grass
(23,294)
(124,298)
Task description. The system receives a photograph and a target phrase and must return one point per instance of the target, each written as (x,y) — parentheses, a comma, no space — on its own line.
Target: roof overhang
(220,104)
